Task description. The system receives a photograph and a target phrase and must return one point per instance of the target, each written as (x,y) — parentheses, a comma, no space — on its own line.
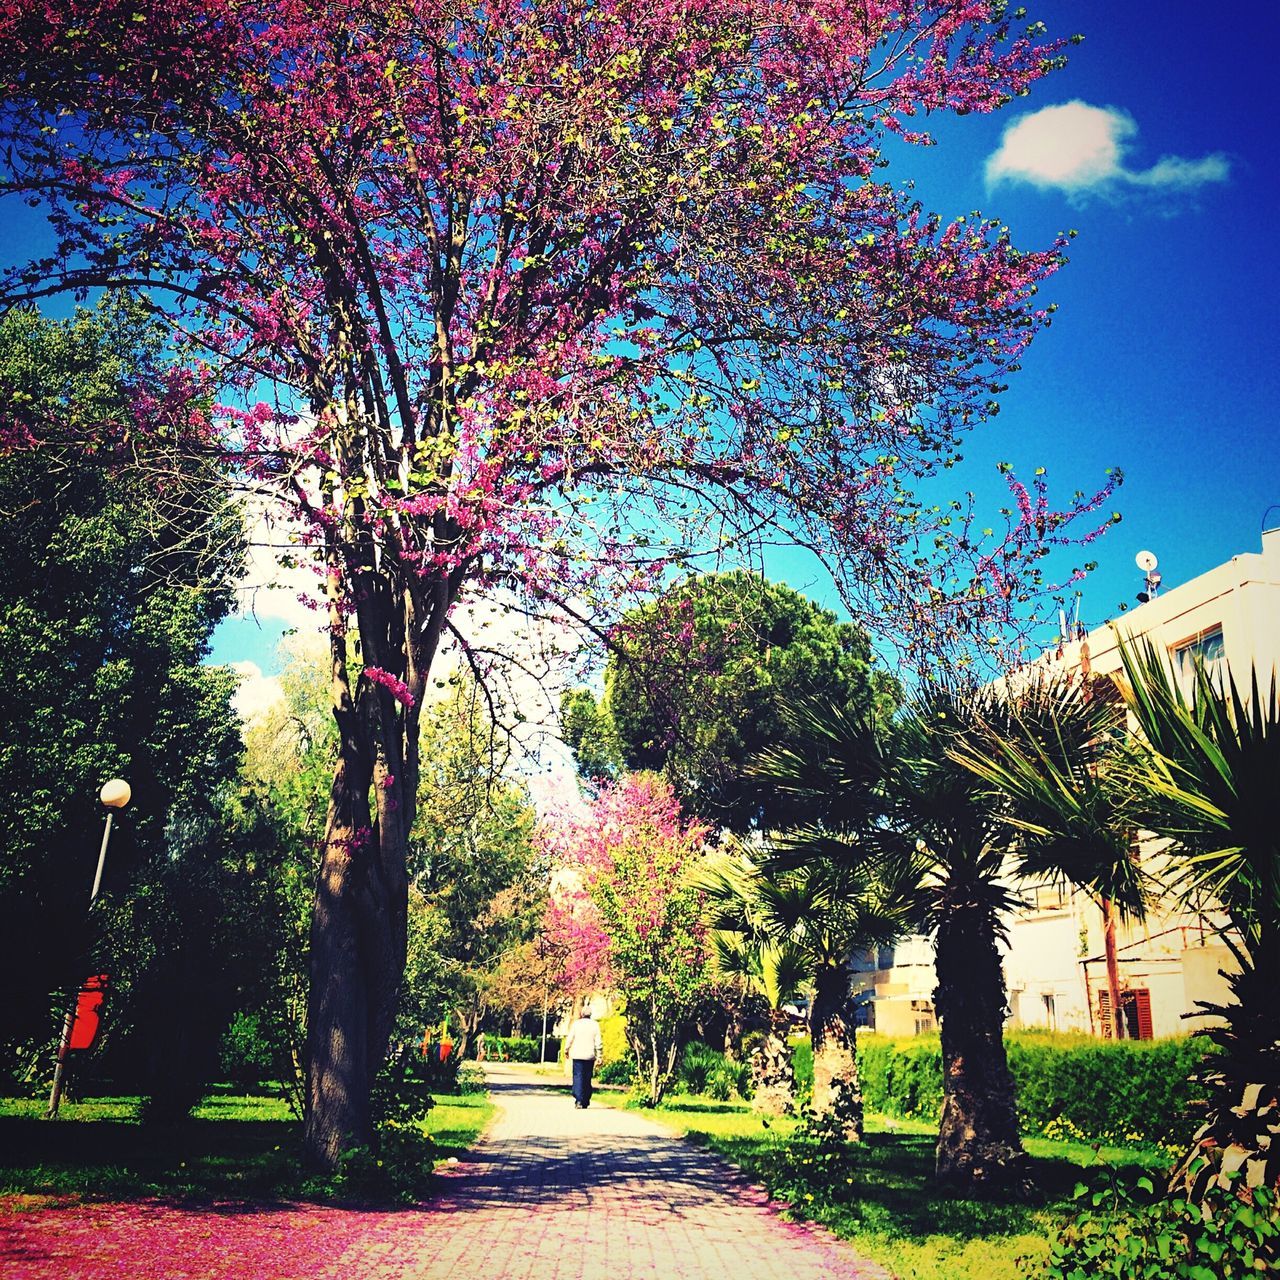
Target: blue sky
(1156,144)
(1162,358)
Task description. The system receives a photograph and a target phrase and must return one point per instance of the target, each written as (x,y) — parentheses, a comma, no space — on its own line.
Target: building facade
(1054,963)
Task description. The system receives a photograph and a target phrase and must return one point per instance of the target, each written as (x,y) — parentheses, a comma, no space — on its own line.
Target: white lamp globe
(115,794)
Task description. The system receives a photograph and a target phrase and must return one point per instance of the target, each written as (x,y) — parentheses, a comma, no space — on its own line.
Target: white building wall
(1054,963)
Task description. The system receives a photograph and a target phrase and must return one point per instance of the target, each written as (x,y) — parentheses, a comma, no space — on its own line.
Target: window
(1050,1011)
(1207,648)
(1045,896)
(1135,1012)
(1050,897)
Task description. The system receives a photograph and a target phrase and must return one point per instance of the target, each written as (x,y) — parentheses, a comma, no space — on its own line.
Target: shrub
(730,1080)
(1069,1086)
(520,1048)
(1135,1090)
(470,1079)
(901,1077)
(802,1064)
(246,1055)
(697,1063)
(707,1071)
(1127,1231)
(613,1034)
(619,1071)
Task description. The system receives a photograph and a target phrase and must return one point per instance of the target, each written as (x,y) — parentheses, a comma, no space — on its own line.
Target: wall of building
(1054,962)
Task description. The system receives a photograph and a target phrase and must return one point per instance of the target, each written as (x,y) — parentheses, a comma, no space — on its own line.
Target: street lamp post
(114,795)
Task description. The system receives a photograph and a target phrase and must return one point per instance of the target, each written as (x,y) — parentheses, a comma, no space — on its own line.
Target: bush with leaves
(399,1164)
(118,556)
(619,1071)
(1127,1232)
(520,1048)
(1068,1085)
(626,899)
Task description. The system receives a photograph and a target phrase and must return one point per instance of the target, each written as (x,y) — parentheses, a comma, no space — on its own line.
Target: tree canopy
(626,895)
(699,681)
(111,587)
(539,297)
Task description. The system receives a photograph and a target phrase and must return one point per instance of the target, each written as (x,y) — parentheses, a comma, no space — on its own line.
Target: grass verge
(880,1195)
(235,1146)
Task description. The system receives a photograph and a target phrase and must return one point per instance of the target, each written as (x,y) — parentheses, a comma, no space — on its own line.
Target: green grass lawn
(880,1195)
(235,1146)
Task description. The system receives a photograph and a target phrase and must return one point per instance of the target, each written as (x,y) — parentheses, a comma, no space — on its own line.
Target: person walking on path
(583,1048)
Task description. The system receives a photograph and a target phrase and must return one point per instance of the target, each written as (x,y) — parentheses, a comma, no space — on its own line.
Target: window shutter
(1142,1001)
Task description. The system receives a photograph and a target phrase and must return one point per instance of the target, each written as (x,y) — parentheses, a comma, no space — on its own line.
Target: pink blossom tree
(537,295)
(629,915)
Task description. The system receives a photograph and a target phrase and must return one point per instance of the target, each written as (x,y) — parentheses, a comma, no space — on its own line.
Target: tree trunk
(979,1150)
(835,1063)
(1113,967)
(733,1027)
(359,923)
(358,935)
(772,1071)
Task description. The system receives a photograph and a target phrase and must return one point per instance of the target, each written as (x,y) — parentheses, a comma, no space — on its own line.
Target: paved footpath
(550,1193)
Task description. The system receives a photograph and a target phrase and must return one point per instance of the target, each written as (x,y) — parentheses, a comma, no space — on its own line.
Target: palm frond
(784,973)
(1205,770)
(1051,768)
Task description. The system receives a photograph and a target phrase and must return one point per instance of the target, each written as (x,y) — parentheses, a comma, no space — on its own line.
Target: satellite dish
(1146,561)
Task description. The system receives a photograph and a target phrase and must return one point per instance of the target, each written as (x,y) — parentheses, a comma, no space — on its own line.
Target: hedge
(1069,1086)
(520,1048)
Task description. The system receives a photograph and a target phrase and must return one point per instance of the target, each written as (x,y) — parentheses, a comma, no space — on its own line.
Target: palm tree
(1204,769)
(960,833)
(744,952)
(1050,760)
(827,888)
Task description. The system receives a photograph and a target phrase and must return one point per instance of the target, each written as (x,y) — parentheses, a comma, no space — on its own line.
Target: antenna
(1146,561)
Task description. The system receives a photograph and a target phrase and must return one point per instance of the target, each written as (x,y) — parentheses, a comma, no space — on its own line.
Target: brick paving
(553,1193)
(550,1193)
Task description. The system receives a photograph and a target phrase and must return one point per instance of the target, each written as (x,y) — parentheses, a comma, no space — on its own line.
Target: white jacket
(584,1041)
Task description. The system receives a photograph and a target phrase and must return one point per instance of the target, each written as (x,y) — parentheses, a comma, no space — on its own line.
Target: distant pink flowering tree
(536,296)
(631,916)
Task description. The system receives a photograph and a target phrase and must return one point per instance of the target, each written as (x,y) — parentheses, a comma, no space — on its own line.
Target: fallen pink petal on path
(551,1193)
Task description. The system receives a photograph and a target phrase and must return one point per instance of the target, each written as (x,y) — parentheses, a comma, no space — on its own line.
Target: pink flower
(395,686)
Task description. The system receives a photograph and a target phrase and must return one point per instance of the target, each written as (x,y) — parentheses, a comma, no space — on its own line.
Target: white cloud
(271,590)
(1174,171)
(257,693)
(1082,149)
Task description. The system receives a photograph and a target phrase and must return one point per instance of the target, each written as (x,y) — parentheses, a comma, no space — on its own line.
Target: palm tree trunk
(772,1072)
(1113,967)
(835,1063)
(979,1150)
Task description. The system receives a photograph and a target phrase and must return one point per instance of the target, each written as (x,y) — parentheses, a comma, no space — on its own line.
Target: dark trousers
(582,1068)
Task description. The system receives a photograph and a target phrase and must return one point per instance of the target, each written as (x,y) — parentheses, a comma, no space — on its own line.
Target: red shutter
(1135,1006)
(1142,1000)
